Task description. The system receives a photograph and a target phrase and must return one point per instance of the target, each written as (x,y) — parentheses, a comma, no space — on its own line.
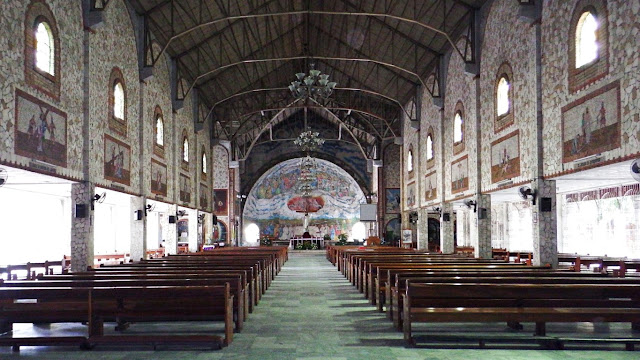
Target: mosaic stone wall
(184,122)
(460,87)
(624,65)
(68,17)
(156,95)
(431,119)
(515,45)
(113,45)
(411,178)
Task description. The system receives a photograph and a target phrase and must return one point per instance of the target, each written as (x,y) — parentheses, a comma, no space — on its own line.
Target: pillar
(482,219)
(423,229)
(82,226)
(545,224)
(447,244)
(170,231)
(138,244)
(193,230)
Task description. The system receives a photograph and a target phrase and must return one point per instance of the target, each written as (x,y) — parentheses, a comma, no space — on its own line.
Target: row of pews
(418,289)
(218,288)
(30,270)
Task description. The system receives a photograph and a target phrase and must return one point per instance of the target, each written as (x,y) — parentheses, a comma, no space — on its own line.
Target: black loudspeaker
(137,215)
(545,204)
(446,216)
(482,213)
(81,211)
(172,219)
(215,219)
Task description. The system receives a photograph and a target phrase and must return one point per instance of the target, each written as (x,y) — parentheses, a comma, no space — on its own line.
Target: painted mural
(411,194)
(204,198)
(392,201)
(185,188)
(431,186)
(158,178)
(41,130)
(220,201)
(117,160)
(268,202)
(460,175)
(505,157)
(591,125)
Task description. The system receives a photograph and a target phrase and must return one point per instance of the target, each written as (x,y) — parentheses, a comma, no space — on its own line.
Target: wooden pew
(537,303)
(95,305)
(102,280)
(493,278)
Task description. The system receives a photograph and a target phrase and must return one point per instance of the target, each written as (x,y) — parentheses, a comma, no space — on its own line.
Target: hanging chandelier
(315,85)
(309,140)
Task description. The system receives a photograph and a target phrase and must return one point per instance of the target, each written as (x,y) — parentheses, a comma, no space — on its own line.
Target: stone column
(482,220)
(82,227)
(138,244)
(423,229)
(545,224)
(170,231)
(193,230)
(447,246)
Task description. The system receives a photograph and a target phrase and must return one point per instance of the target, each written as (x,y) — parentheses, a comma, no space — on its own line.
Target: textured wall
(514,44)
(624,65)
(156,95)
(460,88)
(113,45)
(68,17)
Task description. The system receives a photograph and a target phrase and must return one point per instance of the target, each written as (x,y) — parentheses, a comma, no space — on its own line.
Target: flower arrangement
(265,241)
(309,140)
(342,239)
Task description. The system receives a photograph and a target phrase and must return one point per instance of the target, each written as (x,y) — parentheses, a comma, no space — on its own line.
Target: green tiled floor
(311,312)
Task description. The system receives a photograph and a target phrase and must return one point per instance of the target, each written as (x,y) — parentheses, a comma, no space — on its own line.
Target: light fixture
(181,213)
(315,85)
(309,140)
(99,198)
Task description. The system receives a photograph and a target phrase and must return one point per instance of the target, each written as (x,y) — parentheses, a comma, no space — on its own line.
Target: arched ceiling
(241,55)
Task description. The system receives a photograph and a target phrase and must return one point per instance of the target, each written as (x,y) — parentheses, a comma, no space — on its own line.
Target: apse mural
(275,204)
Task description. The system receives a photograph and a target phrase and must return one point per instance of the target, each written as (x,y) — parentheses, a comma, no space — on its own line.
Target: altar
(294,241)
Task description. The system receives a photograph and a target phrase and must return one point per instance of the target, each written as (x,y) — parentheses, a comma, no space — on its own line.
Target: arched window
(118,100)
(185,149)
(42,51)
(159,130)
(204,163)
(586,39)
(502,96)
(588,44)
(410,160)
(45,48)
(457,127)
(429,148)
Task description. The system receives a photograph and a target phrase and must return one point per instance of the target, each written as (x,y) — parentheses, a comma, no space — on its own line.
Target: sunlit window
(586,44)
(457,128)
(410,161)
(159,131)
(185,150)
(118,100)
(502,96)
(204,163)
(359,231)
(429,147)
(45,49)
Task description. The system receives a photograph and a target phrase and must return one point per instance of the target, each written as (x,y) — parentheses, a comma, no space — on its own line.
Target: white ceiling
(23,180)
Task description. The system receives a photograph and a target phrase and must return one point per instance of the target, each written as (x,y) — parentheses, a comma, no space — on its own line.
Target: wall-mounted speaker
(137,215)
(81,211)
(545,204)
(172,219)
(446,216)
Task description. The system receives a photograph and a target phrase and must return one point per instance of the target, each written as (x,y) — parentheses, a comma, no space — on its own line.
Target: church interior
(306,179)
